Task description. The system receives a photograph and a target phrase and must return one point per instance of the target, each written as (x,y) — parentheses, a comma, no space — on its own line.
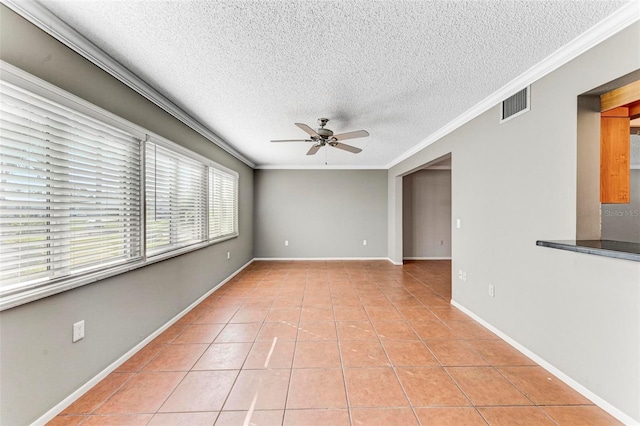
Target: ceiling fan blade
(351,135)
(292,140)
(313,149)
(346,147)
(308,129)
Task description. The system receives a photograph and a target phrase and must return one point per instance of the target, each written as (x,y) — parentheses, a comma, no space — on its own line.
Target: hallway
(331,343)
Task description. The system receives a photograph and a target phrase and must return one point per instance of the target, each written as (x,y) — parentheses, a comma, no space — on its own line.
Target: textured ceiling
(248,70)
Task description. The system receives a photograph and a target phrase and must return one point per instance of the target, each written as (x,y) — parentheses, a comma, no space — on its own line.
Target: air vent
(515,105)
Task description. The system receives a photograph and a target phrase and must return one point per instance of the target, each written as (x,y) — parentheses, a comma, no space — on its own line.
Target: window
(223,202)
(85,194)
(176,192)
(70,191)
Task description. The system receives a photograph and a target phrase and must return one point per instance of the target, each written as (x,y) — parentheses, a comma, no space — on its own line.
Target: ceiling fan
(323,137)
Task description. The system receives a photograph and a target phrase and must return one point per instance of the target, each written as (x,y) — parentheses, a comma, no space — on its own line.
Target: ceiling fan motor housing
(324,133)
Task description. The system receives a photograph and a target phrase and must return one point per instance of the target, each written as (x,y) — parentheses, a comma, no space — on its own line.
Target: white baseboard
(58,408)
(428,258)
(311,259)
(600,402)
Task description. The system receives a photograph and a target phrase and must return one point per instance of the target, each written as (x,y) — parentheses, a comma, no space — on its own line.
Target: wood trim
(621,96)
(616,112)
(634,110)
(614,160)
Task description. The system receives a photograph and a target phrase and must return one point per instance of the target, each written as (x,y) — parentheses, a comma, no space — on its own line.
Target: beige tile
(394,330)
(455,353)
(345,313)
(201,391)
(450,416)
(417,314)
(283,331)
(317,330)
(411,353)
(143,393)
(356,330)
(219,315)
(198,333)
(287,315)
(263,356)
(486,386)
(191,419)
(431,330)
(223,356)
(316,388)
(94,397)
(176,358)
(542,387)
(140,358)
(317,417)
(580,416)
(170,334)
(383,417)
(236,333)
(315,313)
(383,313)
(363,353)
(430,386)
(267,387)
(374,387)
(253,418)
(499,353)
(118,420)
(317,354)
(515,416)
(470,330)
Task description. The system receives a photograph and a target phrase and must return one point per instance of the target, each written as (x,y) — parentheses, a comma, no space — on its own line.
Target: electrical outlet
(458,223)
(364,242)
(286,242)
(464,276)
(228,255)
(492,291)
(78,331)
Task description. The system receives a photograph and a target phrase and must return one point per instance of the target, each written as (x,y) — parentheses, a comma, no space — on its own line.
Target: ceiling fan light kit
(323,136)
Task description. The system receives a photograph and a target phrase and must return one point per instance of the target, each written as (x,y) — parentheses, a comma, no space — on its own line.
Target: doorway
(426,222)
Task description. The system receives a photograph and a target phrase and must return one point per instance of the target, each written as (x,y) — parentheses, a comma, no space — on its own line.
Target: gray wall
(39,365)
(515,183)
(322,213)
(621,222)
(426,214)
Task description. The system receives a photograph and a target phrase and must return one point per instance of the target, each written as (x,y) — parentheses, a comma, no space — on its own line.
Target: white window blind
(176,199)
(223,202)
(69,191)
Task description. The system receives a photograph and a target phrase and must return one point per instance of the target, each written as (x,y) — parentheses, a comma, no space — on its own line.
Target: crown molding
(45,20)
(318,167)
(42,18)
(614,23)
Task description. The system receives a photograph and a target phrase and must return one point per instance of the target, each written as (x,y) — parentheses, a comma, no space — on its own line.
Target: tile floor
(331,343)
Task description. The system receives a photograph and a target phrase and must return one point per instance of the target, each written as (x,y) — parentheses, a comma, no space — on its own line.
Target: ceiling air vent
(515,105)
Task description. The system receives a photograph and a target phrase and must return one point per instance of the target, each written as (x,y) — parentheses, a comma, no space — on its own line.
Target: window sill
(44,289)
(608,248)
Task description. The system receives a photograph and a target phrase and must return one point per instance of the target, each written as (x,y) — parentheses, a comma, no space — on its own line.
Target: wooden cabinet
(618,107)
(614,157)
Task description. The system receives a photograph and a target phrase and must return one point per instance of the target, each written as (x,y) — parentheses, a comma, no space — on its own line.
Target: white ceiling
(247,70)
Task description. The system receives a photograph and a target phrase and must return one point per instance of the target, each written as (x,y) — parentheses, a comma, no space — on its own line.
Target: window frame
(33,291)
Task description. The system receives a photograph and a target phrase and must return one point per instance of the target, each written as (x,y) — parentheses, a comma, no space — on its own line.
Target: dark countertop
(608,248)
